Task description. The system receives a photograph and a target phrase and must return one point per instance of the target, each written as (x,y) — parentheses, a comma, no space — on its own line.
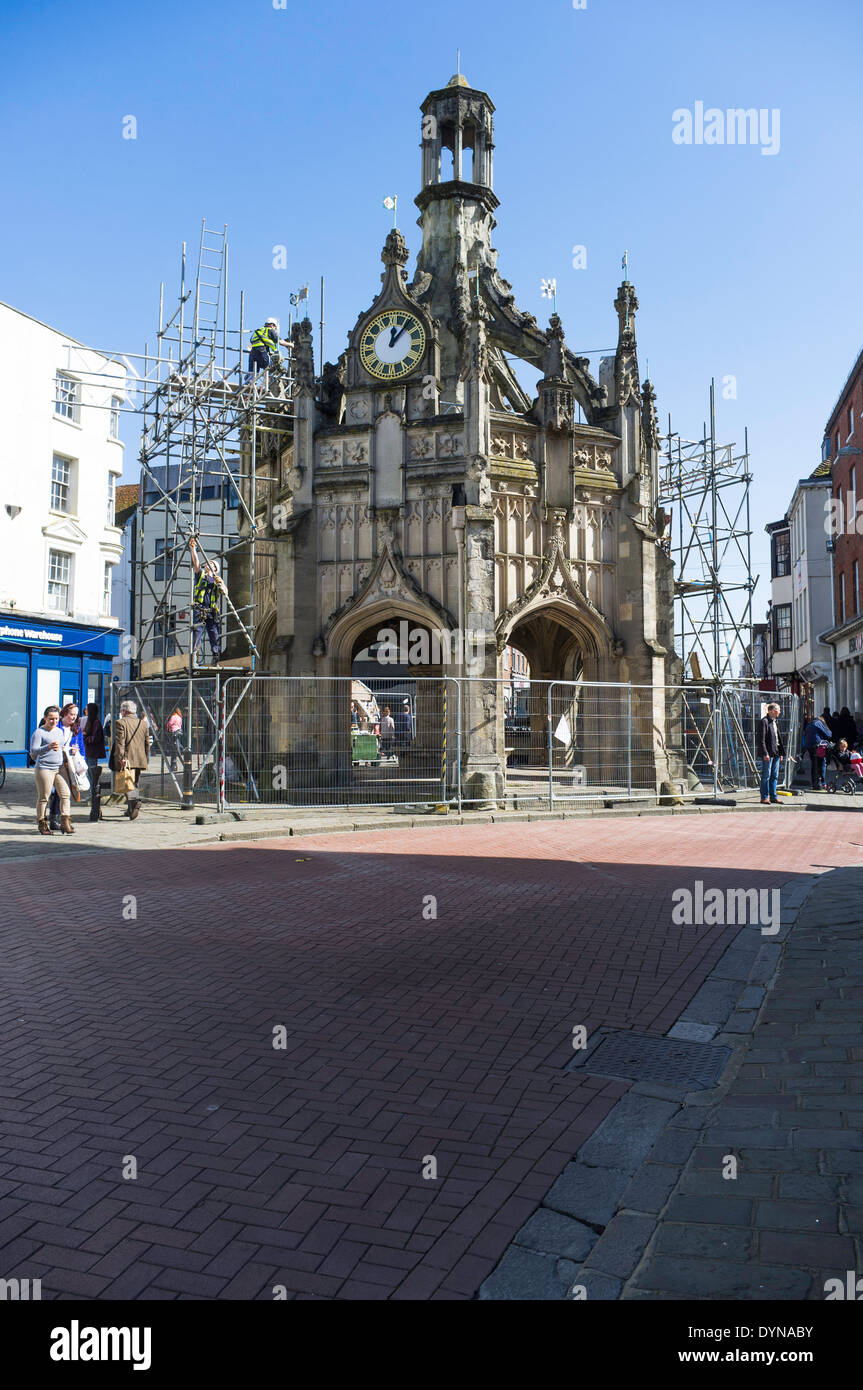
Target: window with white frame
(782,627)
(112,500)
(59,581)
(114,417)
(106,589)
(850,421)
(61,484)
(67,397)
(855,588)
(852,499)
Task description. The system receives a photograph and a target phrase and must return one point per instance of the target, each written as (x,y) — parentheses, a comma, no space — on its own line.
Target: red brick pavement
(406,1037)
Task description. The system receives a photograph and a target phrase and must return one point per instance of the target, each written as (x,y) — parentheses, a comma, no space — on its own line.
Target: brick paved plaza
(151,1037)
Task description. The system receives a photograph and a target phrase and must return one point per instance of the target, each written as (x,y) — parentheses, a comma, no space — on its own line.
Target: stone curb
(611,1196)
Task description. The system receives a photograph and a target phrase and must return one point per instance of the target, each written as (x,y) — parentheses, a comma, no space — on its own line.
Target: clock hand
(396,334)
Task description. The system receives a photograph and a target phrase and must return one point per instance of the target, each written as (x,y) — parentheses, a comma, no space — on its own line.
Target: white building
(60,459)
(801,597)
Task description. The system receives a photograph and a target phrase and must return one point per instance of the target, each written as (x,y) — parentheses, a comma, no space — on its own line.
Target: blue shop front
(47,663)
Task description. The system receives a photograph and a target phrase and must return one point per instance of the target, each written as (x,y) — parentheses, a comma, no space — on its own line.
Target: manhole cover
(668,1061)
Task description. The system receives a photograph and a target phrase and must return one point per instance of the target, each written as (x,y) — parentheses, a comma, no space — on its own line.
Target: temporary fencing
(260,742)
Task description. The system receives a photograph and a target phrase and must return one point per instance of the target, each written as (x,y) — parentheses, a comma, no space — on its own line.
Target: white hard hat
(214,566)
(274,322)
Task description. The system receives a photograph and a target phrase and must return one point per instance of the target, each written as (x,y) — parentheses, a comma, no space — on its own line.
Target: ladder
(210,287)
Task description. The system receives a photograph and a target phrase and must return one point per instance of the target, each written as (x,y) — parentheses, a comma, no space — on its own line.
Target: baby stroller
(850,775)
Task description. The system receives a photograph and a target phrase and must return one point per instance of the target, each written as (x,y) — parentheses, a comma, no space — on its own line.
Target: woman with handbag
(94,749)
(47,749)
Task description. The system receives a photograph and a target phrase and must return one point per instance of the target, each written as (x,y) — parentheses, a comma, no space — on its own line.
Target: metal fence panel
(741,709)
(310,741)
(198,705)
(614,742)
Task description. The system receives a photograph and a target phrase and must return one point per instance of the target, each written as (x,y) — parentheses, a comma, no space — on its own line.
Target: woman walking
(74,744)
(174,728)
(47,749)
(94,749)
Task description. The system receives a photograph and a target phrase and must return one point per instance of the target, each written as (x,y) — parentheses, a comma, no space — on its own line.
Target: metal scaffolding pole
(705,485)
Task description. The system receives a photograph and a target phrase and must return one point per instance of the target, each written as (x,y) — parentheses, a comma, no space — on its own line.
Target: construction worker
(264,347)
(209,585)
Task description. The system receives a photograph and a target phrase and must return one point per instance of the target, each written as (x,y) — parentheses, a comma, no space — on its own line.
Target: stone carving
(421,446)
(357,452)
(450,445)
(303,356)
(331,454)
(358,410)
(555,580)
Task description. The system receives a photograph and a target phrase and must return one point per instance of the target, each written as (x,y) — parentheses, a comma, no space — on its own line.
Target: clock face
(392,345)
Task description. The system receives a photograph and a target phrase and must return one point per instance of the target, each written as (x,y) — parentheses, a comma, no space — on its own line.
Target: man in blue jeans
(772,753)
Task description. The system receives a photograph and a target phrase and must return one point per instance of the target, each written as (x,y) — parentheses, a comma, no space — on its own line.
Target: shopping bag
(124,781)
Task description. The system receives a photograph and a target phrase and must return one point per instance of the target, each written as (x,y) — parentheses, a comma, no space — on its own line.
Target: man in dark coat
(772,753)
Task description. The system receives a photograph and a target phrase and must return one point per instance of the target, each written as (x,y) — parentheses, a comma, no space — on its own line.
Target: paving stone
(810,1187)
(693,1032)
(626,1136)
(710,1182)
(722,1211)
(674,1146)
(527,1275)
(621,1245)
(797,1216)
(698,1279)
(713,1242)
(551,1233)
(587,1193)
(650,1188)
(807,1250)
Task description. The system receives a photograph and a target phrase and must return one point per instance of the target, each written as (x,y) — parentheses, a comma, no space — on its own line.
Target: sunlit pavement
(427,982)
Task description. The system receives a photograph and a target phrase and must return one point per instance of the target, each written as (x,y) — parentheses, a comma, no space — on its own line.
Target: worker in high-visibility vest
(264,347)
(206,604)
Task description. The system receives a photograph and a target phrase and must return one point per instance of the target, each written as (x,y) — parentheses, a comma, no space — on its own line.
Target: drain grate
(668,1061)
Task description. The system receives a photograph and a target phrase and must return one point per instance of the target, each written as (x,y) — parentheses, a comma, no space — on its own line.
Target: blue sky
(291,124)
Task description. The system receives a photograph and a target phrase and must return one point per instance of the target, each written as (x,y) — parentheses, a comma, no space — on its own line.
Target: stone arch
(384,611)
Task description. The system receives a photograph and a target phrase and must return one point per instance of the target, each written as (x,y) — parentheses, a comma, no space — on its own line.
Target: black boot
(96,797)
(54,812)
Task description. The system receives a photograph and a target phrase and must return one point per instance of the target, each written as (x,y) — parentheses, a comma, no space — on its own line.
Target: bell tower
(457,143)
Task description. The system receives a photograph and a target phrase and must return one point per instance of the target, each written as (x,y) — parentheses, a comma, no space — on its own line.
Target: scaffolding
(212,447)
(705,488)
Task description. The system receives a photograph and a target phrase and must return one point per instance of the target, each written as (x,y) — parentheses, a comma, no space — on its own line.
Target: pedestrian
(355,717)
(388,733)
(47,748)
(816,736)
(847,729)
(404,724)
(173,728)
(209,585)
(772,753)
(94,749)
(130,754)
(858,721)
